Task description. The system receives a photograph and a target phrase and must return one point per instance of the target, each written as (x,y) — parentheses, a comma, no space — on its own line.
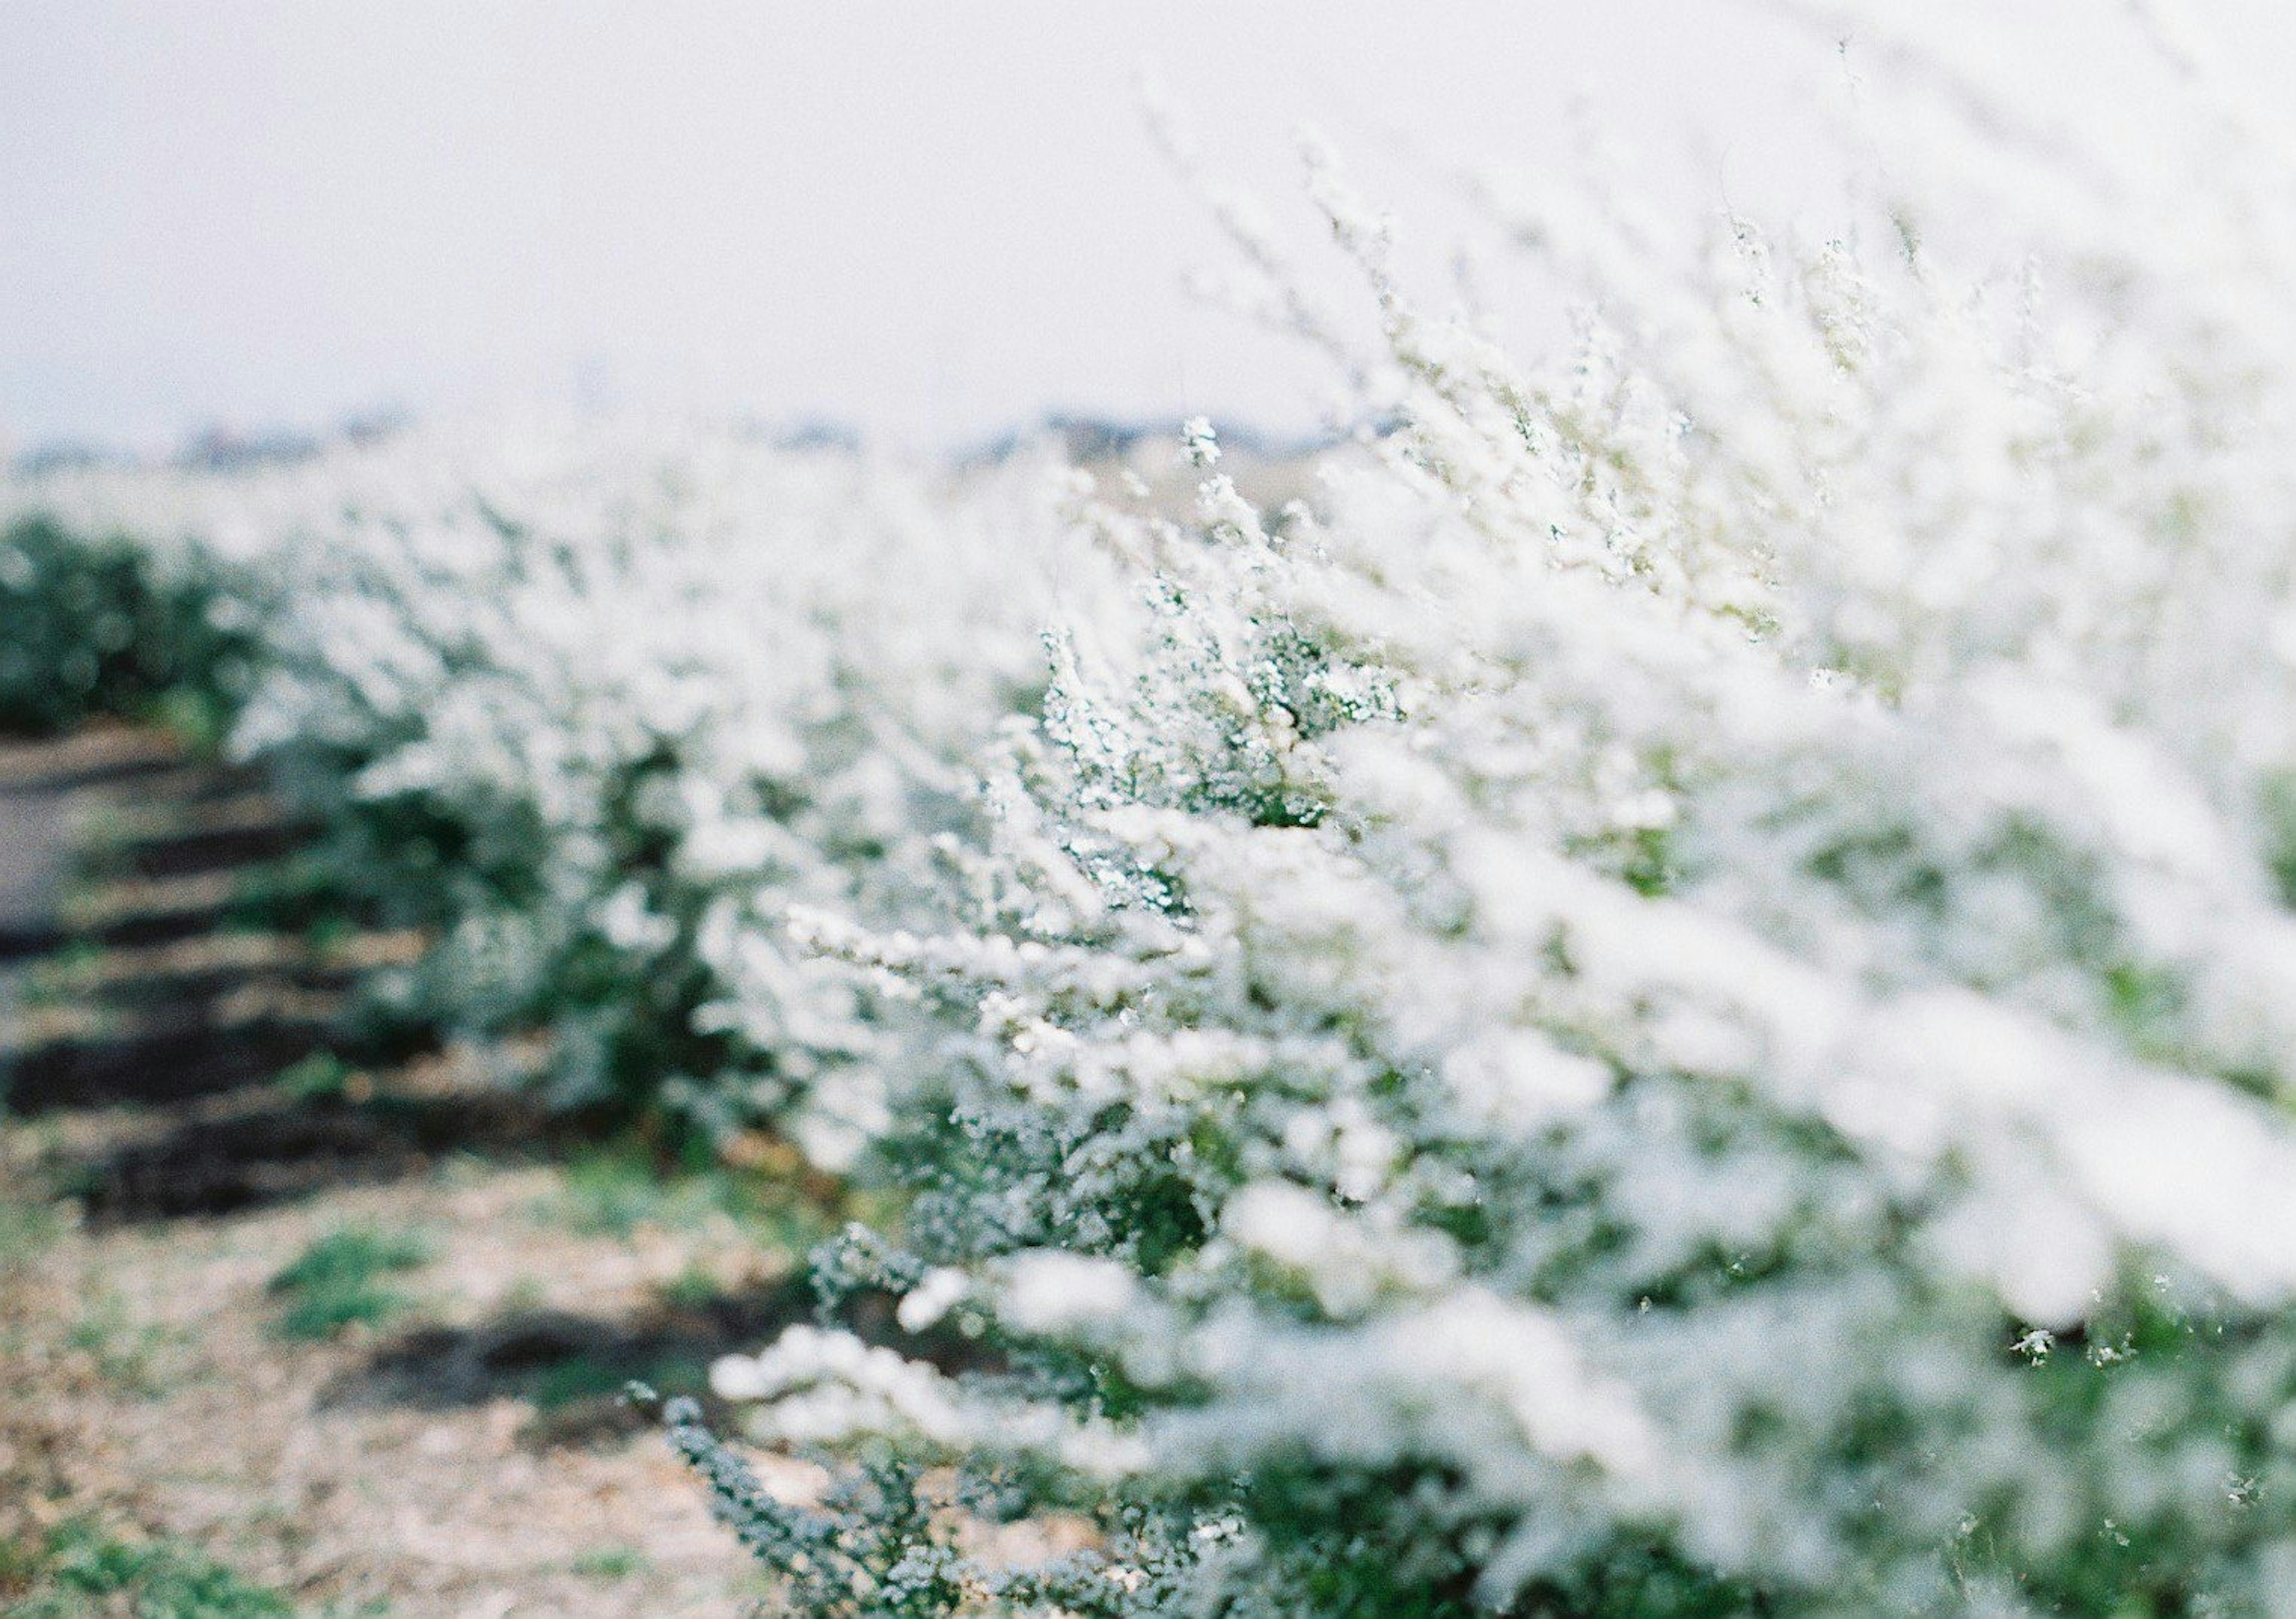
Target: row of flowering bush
(1675,998)
(589,704)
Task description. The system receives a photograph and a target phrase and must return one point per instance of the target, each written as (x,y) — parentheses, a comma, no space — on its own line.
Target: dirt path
(444,1440)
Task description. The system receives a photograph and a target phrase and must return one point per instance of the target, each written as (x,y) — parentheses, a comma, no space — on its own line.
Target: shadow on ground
(273,1151)
(574,1368)
(146,956)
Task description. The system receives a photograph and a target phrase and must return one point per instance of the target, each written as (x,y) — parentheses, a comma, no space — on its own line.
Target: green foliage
(96,628)
(588,1379)
(883,1542)
(611,1562)
(691,1288)
(615,1194)
(126,1351)
(620,1189)
(25,1228)
(322,1076)
(337,1281)
(83,1570)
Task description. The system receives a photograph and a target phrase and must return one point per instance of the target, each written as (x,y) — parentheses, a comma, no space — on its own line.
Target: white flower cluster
(1683,1001)
(658,687)
(596,702)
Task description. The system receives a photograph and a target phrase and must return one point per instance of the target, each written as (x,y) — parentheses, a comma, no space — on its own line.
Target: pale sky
(931,220)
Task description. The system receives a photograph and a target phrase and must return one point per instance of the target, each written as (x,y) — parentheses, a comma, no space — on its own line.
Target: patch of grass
(615,1194)
(337,1281)
(295,893)
(693,1287)
(127,1352)
(25,1230)
(585,1399)
(64,974)
(586,1379)
(610,1562)
(320,1077)
(83,1570)
(524,1296)
(617,1191)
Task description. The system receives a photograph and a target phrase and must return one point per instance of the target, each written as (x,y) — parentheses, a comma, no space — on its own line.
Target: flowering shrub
(592,704)
(1680,1004)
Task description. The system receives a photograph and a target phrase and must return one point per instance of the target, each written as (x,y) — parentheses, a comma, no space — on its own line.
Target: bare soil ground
(181,1131)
